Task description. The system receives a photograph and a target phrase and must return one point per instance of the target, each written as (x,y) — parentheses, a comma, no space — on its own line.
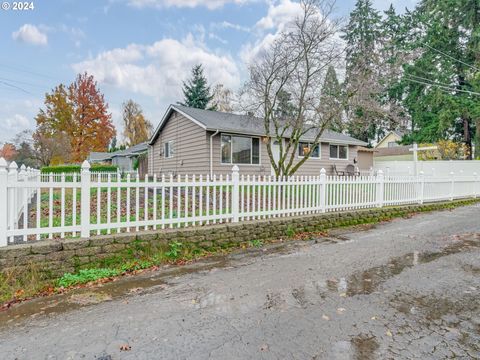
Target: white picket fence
(34,206)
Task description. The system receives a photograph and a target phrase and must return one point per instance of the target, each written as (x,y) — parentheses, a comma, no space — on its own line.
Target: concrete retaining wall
(54,257)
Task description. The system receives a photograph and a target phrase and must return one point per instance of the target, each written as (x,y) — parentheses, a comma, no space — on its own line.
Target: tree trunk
(477,139)
(467,138)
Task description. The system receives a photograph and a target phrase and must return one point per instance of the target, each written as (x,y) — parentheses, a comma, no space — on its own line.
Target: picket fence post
(380,188)
(85,200)
(422,187)
(4,202)
(476,185)
(235,193)
(452,185)
(13,177)
(323,190)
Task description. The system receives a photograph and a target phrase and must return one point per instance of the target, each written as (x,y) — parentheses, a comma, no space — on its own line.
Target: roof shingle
(246,124)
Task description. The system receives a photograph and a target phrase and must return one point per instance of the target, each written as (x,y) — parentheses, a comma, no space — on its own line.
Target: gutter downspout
(211,152)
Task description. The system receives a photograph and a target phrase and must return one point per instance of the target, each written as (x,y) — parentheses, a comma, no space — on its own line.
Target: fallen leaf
(125,347)
(340,310)
(325,317)
(19,293)
(389,333)
(135,290)
(264,347)
(373,318)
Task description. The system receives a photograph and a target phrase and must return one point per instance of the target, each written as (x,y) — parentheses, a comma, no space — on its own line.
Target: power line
(15,68)
(451,57)
(432,81)
(16,87)
(443,87)
(23,82)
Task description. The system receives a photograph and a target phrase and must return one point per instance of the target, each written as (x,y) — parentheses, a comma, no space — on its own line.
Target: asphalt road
(405,289)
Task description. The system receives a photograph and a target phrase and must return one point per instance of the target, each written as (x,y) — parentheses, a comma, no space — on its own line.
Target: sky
(136,49)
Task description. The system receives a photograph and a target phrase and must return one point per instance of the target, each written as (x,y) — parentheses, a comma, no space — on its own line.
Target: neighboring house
(191,141)
(124,159)
(396,153)
(392,139)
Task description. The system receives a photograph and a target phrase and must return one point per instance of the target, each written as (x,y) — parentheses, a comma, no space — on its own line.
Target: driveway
(405,289)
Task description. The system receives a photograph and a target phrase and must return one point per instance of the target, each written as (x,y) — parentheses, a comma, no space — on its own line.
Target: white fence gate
(34,206)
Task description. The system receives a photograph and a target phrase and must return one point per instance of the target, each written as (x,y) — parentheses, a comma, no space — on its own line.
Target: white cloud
(17,121)
(229,25)
(157,70)
(31,34)
(209,4)
(279,14)
(214,36)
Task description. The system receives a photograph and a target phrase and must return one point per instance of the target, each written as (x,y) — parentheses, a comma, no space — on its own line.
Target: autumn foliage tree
(79,114)
(8,151)
(137,128)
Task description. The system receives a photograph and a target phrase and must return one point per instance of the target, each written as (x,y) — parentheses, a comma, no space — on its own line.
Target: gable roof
(397,133)
(131,151)
(99,156)
(240,124)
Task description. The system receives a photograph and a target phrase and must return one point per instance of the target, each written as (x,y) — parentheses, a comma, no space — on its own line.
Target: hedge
(68,169)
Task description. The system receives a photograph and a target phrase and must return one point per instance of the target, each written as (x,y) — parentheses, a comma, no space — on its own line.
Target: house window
(339,152)
(240,150)
(305,148)
(168,149)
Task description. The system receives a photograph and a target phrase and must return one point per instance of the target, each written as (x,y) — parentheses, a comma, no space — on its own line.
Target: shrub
(68,169)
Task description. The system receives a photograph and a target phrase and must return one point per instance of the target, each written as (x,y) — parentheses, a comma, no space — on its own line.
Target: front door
(276,154)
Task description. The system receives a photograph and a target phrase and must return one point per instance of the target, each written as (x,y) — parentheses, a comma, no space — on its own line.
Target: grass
(85,276)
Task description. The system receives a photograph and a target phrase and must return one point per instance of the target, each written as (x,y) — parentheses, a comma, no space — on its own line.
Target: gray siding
(313,165)
(124,163)
(191,155)
(310,167)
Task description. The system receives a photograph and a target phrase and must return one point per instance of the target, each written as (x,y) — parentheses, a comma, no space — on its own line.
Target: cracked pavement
(407,289)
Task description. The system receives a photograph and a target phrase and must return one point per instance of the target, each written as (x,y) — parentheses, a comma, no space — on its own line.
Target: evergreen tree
(113,145)
(284,109)
(437,83)
(331,100)
(196,91)
(393,55)
(362,87)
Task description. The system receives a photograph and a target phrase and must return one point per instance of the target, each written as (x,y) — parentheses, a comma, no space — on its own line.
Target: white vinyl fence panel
(35,206)
(434,168)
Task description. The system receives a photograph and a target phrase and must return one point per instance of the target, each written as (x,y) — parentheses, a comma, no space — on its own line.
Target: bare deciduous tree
(295,64)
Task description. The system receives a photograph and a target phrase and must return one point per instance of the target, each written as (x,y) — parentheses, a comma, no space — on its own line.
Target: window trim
(311,157)
(251,148)
(170,143)
(338,152)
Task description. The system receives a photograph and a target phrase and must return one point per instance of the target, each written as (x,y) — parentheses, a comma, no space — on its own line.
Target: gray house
(190,141)
(124,159)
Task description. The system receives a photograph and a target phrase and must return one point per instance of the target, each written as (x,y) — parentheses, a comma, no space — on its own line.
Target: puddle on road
(366,282)
(145,283)
(364,347)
